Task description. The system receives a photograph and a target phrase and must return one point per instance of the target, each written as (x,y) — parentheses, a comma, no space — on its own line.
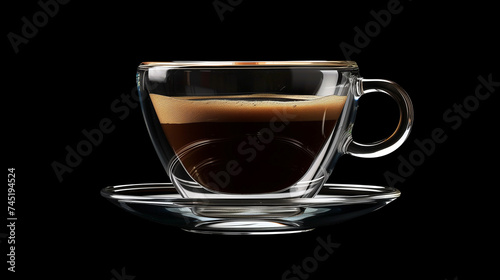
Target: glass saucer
(160,202)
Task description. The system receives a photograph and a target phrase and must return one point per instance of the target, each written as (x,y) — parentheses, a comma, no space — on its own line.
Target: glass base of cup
(189,188)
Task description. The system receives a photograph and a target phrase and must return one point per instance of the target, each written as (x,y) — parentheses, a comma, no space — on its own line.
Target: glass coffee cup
(263,130)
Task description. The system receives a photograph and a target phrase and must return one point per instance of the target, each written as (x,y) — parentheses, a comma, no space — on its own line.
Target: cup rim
(285,63)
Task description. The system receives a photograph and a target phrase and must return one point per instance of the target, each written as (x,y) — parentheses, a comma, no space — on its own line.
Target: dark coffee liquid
(246,145)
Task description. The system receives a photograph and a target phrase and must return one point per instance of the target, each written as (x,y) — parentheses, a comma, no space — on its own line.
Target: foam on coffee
(246,108)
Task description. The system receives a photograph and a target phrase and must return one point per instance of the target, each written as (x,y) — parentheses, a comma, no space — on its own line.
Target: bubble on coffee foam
(230,109)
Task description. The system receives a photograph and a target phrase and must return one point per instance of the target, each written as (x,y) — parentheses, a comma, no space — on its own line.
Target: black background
(65,79)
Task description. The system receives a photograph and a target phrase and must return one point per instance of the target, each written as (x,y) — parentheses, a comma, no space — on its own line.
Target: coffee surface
(247,144)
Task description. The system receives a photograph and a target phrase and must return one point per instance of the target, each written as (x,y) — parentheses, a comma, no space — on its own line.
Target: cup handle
(406,115)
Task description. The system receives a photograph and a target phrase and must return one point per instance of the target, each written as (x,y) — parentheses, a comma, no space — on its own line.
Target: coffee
(247,144)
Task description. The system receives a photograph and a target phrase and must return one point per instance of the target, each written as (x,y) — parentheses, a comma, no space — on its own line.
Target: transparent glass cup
(263,130)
